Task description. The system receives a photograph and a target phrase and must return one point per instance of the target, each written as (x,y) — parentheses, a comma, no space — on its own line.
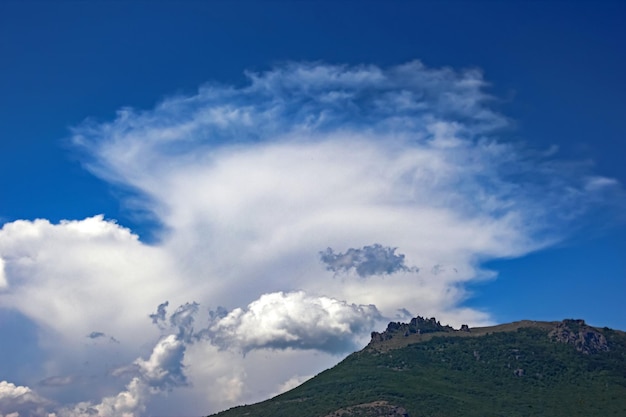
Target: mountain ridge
(585,338)
(425,369)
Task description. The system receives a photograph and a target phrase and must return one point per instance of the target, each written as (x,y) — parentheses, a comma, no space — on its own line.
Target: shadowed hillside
(424,369)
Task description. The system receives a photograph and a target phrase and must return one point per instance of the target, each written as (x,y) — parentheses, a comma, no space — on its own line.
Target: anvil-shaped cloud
(248,184)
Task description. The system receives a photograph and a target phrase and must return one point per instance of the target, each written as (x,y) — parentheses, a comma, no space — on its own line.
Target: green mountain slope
(423,369)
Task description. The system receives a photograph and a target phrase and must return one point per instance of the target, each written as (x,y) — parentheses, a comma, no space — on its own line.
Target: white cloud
(291,383)
(250,184)
(82,275)
(595,183)
(3,279)
(127,403)
(294,320)
(164,368)
(20,400)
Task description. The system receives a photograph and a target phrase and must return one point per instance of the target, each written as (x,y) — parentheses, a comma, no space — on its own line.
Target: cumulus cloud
(127,403)
(161,372)
(57,273)
(22,401)
(369,260)
(248,183)
(164,369)
(279,320)
(294,320)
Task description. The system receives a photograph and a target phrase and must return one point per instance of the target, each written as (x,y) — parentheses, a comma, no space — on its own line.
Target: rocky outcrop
(577,333)
(417,325)
(584,338)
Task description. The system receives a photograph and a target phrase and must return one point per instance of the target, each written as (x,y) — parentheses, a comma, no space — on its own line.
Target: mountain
(424,369)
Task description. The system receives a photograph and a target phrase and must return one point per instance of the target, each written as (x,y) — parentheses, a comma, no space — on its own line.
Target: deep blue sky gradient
(557,69)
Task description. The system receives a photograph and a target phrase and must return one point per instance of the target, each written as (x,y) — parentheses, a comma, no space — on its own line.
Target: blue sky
(206,203)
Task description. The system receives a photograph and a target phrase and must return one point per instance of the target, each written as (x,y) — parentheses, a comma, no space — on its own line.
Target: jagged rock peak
(584,338)
(417,325)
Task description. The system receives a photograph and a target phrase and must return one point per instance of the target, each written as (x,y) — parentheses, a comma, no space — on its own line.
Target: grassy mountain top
(575,332)
(424,369)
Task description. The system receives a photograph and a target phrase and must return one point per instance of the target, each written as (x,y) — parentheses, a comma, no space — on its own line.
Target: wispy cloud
(58,381)
(248,184)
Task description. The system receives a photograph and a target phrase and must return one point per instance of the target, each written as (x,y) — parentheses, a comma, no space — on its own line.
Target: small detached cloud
(100,335)
(58,381)
(367,261)
(595,183)
(159,316)
(440,269)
